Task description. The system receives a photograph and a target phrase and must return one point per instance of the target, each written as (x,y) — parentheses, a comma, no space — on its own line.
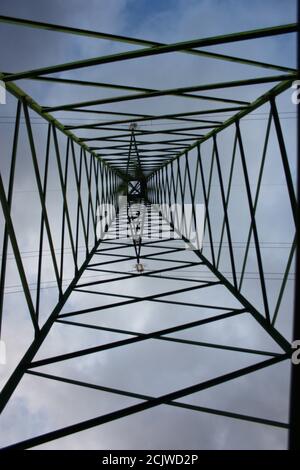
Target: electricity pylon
(159,169)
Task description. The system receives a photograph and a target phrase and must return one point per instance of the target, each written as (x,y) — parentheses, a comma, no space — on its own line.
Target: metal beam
(176,91)
(156,50)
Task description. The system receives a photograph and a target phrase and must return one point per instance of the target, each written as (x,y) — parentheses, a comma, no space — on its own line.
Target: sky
(152,367)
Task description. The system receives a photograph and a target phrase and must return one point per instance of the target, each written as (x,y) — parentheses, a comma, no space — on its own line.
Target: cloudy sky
(150,367)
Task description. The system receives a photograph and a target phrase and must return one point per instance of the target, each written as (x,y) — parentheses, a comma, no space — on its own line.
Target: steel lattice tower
(157,170)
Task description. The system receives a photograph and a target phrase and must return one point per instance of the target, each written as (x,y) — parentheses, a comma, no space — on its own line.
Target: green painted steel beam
(151,403)
(111,138)
(20,94)
(159,131)
(137,41)
(188,406)
(153,49)
(66,81)
(117,99)
(279,88)
(129,121)
(126,147)
(141,142)
(151,116)
(141,151)
(175,91)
